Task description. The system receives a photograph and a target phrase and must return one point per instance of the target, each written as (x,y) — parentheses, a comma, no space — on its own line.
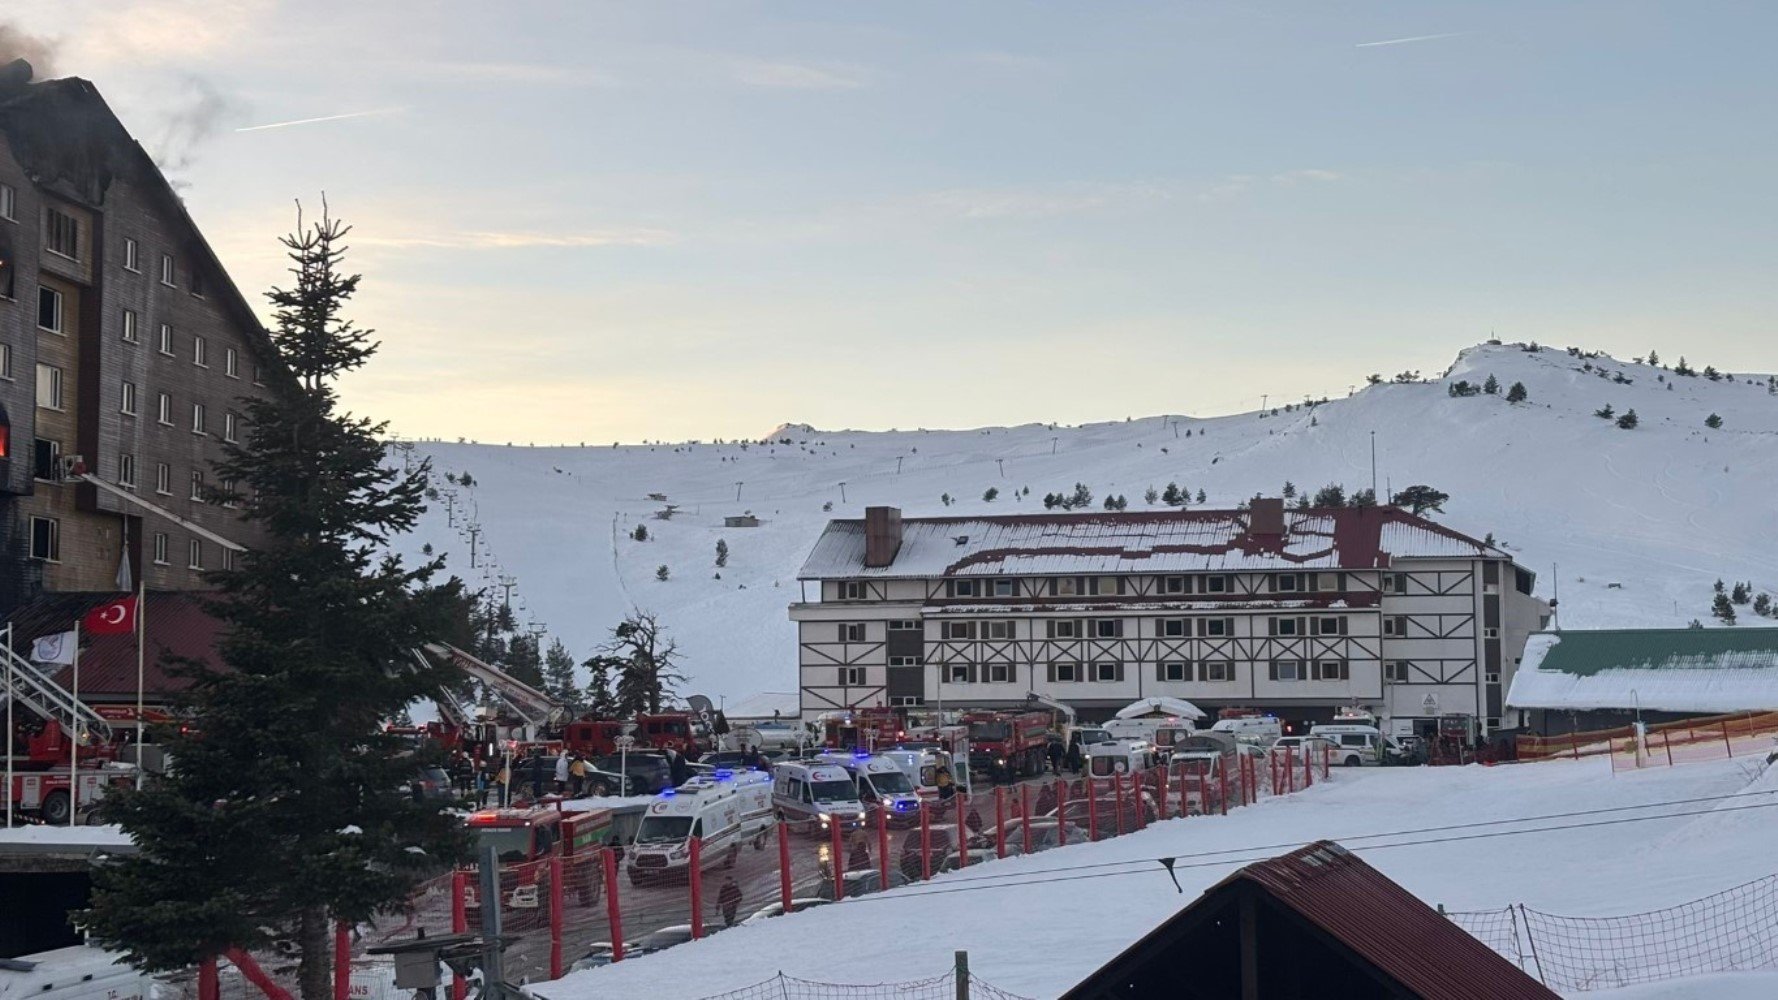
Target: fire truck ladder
(533,706)
(450,707)
(34,690)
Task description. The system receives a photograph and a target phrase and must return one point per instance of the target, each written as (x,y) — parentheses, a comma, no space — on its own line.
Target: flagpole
(74,737)
(10,732)
(141,640)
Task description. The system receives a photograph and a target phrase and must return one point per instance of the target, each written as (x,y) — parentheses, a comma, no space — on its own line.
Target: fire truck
(1007,745)
(524,840)
(42,785)
(867,729)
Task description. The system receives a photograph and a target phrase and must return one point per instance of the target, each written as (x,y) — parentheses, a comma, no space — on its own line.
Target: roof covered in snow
(1670,670)
(1141,542)
(1168,707)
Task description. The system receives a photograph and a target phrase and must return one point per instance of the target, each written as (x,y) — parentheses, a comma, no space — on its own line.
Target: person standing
(562,771)
(728,900)
(577,774)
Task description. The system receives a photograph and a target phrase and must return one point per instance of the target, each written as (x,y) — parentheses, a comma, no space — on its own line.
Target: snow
(1728,681)
(1036,936)
(1661,511)
(1176,707)
(65,836)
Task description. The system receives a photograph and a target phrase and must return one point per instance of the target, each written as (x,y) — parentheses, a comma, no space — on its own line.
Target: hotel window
(906,661)
(1108,628)
(1491,677)
(228,558)
(166,339)
(1285,582)
(49,309)
(164,407)
(1065,672)
(1001,673)
(1216,626)
(1175,585)
(160,548)
(1330,626)
(8,275)
(1395,625)
(1006,588)
(1000,630)
(61,234)
(1287,670)
(1395,583)
(49,387)
(228,427)
(197,485)
(1108,672)
(130,327)
(959,630)
(965,588)
(126,470)
(194,555)
(851,676)
(1216,670)
(167,269)
(163,479)
(128,402)
(200,352)
(1174,671)
(1287,626)
(231,363)
(1332,670)
(259,375)
(130,262)
(46,539)
(8,202)
(197,418)
(904,625)
(196,279)
(1066,629)
(907,701)
(1175,627)
(1065,586)
(960,673)
(851,631)
(46,460)
(1395,671)
(1216,585)
(1107,586)
(6,361)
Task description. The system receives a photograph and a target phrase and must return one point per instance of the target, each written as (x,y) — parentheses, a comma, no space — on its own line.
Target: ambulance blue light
(724,774)
(860,754)
(667,793)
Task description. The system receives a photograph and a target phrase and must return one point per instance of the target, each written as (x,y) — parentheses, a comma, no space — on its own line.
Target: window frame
(127,398)
(1167,671)
(1287,583)
(50,230)
(1341,670)
(851,631)
(200,419)
(230,426)
(164,340)
(1294,665)
(60,310)
(1008,627)
(163,479)
(131,331)
(52,539)
(1208,669)
(1168,625)
(231,362)
(194,553)
(197,486)
(132,257)
(163,408)
(1395,671)
(54,467)
(160,548)
(1069,625)
(1099,672)
(9,203)
(1216,583)
(6,361)
(1006,587)
(200,351)
(853,590)
(852,676)
(1000,667)
(126,470)
(959,672)
(51,382)
(169,271)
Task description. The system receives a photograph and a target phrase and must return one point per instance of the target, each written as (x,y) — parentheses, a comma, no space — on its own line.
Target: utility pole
(1001,462)
(842,492)
(737,491)
(898,465)
(1176,428)
(1262,403)
(1053,445)
(506,584)
(475,530)
(1373,464)
(493,971)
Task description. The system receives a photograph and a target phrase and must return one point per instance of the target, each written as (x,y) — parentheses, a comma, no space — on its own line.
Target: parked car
(1298,745)
(979,856)
(1046,832)
(862,883)
(431,784)
(777,909)
(600,952)
(649,772)
(599,783)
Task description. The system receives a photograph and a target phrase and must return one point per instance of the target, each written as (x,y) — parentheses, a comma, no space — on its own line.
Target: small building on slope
(1312,924)
(1577,680)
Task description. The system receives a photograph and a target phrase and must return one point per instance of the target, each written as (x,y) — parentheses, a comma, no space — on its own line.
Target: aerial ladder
(535,710)
(33,689)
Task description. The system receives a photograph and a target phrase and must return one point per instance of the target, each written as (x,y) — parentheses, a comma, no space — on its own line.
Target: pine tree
(1762,604)
(1628,420)
(1366,497)
(1682,368)
(1722,609)
(1492,386)
(523,662)
(1420,499)
(1081,497)
(1289,490)
(1200,496)
(1150,495)
(1713,421)
(641,533)
(661,573)
(1050,501)
(945,498)
(1718,587)
(1171,496)
(991,494)
(1517,393)
(1605,412)
(649,664)
(284,814)
(601,701)
(1331,495)
(1654,359)
(1739,593)
(558,678)
(721,553)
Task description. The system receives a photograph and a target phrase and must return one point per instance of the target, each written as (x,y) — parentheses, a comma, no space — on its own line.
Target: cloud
(472,240)
(40,52)
(797,76)
(1408,40)
(1307,174)
(1041,201)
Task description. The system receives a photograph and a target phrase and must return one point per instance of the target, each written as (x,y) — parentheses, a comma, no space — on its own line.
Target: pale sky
(592,221)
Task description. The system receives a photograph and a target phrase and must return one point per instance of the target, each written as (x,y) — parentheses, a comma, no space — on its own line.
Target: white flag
(56,648)
(124,582)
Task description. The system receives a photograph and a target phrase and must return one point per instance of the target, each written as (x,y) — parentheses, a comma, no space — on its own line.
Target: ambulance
(725,811)
(882,784)
(813,796)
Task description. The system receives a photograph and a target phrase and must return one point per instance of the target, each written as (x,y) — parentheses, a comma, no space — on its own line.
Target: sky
(594,221)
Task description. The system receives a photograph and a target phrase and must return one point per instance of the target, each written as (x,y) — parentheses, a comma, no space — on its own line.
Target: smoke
(192,118)
(17,43)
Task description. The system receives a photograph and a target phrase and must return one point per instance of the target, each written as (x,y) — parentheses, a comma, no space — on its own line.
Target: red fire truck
(1007,745)
(863,729)
(598,737)
(525,840)
(42,786)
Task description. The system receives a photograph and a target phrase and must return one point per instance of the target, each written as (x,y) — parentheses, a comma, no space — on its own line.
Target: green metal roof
(1586,652)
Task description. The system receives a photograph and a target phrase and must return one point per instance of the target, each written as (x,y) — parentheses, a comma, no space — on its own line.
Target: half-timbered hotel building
(1301,612)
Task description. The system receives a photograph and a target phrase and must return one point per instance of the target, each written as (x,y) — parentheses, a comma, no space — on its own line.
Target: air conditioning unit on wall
(73,466)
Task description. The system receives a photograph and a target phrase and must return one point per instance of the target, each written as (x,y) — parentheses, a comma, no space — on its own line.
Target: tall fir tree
(558,678)
(602,670)
(523,662)
(284,814)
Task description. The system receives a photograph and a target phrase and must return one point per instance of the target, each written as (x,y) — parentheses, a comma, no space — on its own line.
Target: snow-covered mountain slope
(1641,522)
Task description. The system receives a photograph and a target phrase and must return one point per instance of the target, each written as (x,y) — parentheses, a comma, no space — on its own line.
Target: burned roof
(1343,538)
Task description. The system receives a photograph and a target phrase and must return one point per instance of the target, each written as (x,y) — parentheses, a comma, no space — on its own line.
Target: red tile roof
(178,628)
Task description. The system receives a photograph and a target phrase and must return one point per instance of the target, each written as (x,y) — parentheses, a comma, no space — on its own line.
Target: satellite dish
(699,704)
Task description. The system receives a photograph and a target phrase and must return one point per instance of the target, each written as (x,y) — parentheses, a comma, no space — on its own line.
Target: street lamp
(624,743)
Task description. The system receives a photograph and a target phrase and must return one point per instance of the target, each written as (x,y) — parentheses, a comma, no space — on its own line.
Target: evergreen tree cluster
(1081,497)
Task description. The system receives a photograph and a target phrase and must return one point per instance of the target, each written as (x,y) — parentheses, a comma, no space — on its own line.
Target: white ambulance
(882,784)
(812,796)
(725,811)
(78,972)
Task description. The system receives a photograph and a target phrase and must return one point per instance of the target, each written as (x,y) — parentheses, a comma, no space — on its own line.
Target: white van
(1105,760)
(1355,745)
(882,784)
(79,972)
(813,796)
(1263,727)
(725,811)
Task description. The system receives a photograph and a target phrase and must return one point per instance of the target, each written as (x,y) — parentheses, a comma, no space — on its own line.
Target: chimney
(1265,517)
(882,536)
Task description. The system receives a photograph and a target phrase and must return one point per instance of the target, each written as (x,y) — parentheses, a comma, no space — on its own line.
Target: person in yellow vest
(577,774)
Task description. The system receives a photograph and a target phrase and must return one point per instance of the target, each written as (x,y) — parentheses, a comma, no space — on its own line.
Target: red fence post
(883,845)
(695,875)
(1025,815)
(342,960)
(1061,813)
(1166,779)
(459,925)
(1222,786)
(1117,798)
(925,842)
(1092,811)
(784,896)
(555,917)
(1574,745)
(613,913)
(208,986)
(1308,768)
(837,859)
(1730,747)
(1000,821)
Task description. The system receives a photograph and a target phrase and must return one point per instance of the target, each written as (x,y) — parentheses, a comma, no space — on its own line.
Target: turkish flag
(116,618)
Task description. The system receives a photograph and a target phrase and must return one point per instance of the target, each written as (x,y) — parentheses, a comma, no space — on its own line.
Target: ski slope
(1039,924)
(1641,522)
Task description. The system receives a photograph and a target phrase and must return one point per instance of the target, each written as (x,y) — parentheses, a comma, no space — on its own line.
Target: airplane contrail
(1404,41)
(323,118)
